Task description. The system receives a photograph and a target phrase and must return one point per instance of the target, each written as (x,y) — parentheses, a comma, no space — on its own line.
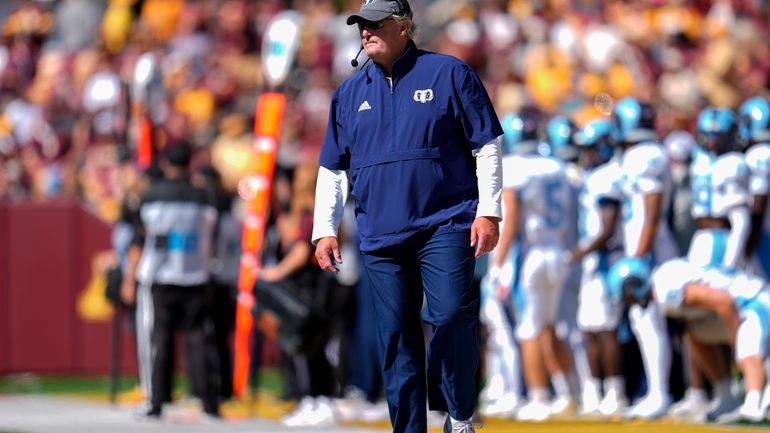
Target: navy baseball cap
(376,10)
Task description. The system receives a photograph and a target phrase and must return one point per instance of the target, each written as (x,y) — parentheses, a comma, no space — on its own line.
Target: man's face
(588,157)
(716,142)
(381,38)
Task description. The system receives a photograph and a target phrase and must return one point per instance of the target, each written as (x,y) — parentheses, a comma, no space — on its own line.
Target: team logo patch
(364,106)
(423,95)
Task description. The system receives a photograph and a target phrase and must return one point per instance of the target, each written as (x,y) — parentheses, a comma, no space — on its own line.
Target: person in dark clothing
(224,266)
(170,254)
(294,290)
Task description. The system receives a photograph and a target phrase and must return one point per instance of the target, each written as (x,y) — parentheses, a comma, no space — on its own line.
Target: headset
(403,8)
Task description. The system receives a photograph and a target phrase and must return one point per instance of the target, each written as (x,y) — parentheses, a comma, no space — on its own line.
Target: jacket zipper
(392,117)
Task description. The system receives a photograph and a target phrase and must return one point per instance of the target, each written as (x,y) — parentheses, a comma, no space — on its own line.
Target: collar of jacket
(403,64)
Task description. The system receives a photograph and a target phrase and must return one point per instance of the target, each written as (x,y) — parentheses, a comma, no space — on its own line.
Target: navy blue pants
(364,360)
(440,267)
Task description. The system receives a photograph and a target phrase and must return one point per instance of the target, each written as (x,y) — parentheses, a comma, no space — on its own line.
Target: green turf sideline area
(24,383)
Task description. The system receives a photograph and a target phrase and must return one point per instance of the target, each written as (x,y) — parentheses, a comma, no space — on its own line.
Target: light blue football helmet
(753,122)
(520,132)
(634,121)
(715,130)
(628,280)
(558,139)
(597,134)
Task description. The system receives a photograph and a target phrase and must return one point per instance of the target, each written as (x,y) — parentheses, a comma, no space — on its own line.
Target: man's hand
(128,291)
(327,253)
(485,232)
(269,274)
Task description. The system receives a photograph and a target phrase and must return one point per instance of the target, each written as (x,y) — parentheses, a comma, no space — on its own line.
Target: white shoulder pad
(758,160)
(731,168)
(644,160)
(731,176)
(745,287)
(603,181)
(550,166)
(516,171)
(669,280)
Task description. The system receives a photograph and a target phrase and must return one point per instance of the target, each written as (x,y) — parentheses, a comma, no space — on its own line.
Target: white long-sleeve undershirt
(331,192)
(489,172)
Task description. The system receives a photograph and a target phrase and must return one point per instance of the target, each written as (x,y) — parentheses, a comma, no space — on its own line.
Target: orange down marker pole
(255,190)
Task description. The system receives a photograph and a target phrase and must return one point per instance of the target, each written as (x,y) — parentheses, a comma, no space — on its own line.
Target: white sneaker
(693,406)
(454,426)
(589,404)
(310,412)
(323,415)
(296,417)
(563,406)
(505,406)
(612,405)
(349,407)
(650,407)
(374,412)
(534,411)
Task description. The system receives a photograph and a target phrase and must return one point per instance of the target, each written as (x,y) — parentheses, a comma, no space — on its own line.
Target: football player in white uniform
(502,367)
(536,196)
(741,302)
(720,208)
(598,316)
(502,362)
(720,196)
(754,136)
(646,187)
(558,142)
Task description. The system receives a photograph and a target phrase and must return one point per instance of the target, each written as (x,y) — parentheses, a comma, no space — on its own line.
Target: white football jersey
(719,184)
(758,161)
(645,170)
(670,279)
(600,183)
(545,196)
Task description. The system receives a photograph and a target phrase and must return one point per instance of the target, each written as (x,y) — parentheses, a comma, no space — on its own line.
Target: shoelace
(465,428)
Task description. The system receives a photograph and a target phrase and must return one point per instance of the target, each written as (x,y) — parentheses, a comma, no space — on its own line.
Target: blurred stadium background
(66,141)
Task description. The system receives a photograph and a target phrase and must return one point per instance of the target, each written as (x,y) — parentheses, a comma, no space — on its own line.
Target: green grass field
(269,381)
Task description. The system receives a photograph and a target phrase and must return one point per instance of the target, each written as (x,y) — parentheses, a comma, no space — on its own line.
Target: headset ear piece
(403,8)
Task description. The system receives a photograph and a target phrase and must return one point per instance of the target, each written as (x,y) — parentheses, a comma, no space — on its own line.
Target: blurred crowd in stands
(65,67)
